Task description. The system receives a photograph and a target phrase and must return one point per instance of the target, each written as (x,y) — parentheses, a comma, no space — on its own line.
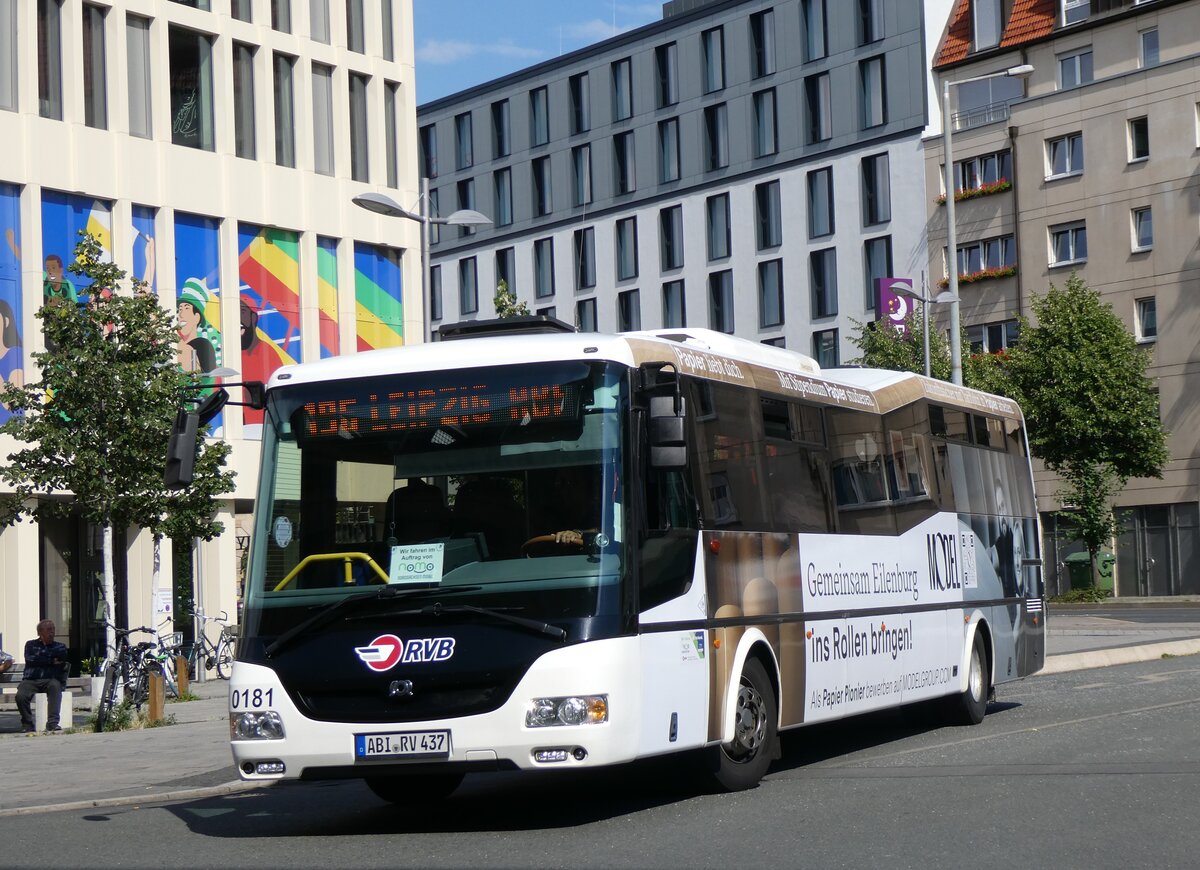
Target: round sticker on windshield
(283,531)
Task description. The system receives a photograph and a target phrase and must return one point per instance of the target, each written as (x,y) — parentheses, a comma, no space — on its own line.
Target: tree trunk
(110,595)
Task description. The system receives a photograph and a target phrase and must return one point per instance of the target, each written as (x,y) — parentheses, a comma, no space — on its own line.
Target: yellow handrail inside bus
(346,558)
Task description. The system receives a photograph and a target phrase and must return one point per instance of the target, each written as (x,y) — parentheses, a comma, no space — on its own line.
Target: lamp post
(1021,71)
(382,204)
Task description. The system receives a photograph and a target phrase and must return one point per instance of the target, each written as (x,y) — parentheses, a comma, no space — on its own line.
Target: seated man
(45,671)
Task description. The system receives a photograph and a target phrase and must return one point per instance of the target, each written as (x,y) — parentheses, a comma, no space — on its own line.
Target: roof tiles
(1028,21)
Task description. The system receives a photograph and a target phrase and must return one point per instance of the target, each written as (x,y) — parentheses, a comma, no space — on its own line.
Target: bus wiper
(331,612)
(437,609)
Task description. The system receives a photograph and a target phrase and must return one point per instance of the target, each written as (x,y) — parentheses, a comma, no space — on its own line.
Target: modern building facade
(744,165)
(1090,166)
(213,147)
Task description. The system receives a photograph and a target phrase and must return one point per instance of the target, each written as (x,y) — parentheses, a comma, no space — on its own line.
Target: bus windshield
(497,488)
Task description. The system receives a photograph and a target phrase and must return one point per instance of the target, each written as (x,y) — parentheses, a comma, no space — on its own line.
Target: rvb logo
(387,651)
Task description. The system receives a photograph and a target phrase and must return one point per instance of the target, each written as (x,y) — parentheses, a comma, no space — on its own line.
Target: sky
(463,43)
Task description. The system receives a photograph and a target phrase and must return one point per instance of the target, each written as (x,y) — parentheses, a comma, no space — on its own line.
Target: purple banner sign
(891,303)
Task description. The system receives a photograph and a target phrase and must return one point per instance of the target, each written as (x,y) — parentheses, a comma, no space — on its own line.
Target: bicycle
(127,671)
(220,654)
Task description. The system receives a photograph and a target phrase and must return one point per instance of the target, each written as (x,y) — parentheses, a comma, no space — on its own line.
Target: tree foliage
(506,302)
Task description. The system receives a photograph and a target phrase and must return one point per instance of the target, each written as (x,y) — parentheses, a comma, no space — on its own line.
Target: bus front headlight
(571,710)
(255,726)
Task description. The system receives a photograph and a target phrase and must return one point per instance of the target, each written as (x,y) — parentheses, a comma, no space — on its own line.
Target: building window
(360,135)
(665,65)
(720,301)
(765,139)
(629,311)
(1064,155)
(712,61)
(506,269)
(762,43)
(241,10)
(429,161)
(243,101)
(323,120)
(285,111)
(716,137)
(1075,11)
(1068,243)
(502,185)
(281,16)
(585,258)
(627,249)
(387,28)
(95,83)
(466,200)
(1143,229)
(1147,319)
(974,172)
(668,150)
(191,88)
(822,278)
(1149,40)
(717,213)
(872,96)
(622,90)
(391,92)
(581,175)
(539,117)
(1139,139)
(585,315)
(1075,69)
(464,156)
(542,200)
(994,253)
(770,293)
(581,112)
(435,230)
(318,19)
(137,48)
(49,36)
(768,223)
(543,268)
(992,337)
(670,235)
(870,21)
(988,23)
(355,27)
(501,141)
(674,308)
(468,286)
(877,264)
(876,189)
(435,292)
(820,202)
(818,122)
(812,18)
(623,177)
(825,348)
(8,55)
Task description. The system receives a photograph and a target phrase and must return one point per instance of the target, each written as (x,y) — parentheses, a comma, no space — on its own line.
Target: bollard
(158,697)
(181,675)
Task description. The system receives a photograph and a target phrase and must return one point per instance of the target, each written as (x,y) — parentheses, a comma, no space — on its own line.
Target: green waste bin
(1079,570)
(1104,563)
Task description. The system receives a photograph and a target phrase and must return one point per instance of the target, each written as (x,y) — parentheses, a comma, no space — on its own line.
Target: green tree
(884,347)
(1091,411)
(506,302)
(97,422)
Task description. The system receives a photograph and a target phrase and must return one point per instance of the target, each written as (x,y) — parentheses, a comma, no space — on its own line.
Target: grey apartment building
(743,165)
(1091,165)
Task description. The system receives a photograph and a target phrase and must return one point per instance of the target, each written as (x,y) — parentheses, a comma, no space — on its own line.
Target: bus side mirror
(668,441)
(256,394)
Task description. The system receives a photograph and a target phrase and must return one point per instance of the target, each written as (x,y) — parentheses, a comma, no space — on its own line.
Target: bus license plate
(403,744)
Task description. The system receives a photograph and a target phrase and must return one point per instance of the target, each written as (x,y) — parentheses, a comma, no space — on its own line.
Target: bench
(66,712)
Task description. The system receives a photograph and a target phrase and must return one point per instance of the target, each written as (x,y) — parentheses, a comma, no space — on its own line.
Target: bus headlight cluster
(255,726)
(572,710)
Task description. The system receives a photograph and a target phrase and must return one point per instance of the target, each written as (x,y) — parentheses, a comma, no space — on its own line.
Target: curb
(228,788)
(1101,658)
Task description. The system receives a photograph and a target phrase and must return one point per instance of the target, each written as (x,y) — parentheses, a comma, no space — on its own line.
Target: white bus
(548,549)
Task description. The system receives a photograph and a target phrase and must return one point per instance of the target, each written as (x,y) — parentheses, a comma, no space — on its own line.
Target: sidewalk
(191,759)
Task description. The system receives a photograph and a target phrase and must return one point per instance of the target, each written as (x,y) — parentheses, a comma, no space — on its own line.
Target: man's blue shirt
(39,660)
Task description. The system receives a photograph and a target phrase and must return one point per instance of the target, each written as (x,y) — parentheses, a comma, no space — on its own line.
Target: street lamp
(1021,71)
(905,290)
(382,204)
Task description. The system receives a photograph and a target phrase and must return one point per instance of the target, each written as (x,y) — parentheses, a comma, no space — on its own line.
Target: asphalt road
(1089,769)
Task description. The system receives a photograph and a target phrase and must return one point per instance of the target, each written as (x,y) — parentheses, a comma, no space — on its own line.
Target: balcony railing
(979,116)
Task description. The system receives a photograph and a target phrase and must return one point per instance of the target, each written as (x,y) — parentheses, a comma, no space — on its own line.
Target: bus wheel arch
(969,705)
(751,735)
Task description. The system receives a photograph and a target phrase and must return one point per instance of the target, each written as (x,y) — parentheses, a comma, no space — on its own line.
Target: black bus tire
(969,707)
(742,763)
(412,790)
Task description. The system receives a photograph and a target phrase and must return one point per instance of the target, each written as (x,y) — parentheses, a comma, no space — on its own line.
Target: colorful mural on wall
(377,297)
(63,217)
(198,295)
(327,284)
(269,272)
(141,263)
(12,355)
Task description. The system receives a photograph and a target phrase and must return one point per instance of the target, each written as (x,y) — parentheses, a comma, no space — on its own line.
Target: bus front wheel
(969,707)
(742,762)
(412,790)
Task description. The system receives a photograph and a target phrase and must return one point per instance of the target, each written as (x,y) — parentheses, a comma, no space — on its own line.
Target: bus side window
(667,553)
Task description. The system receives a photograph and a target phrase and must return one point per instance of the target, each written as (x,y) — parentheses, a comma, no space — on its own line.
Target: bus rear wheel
(412,790)
(742,762)
(969,707)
